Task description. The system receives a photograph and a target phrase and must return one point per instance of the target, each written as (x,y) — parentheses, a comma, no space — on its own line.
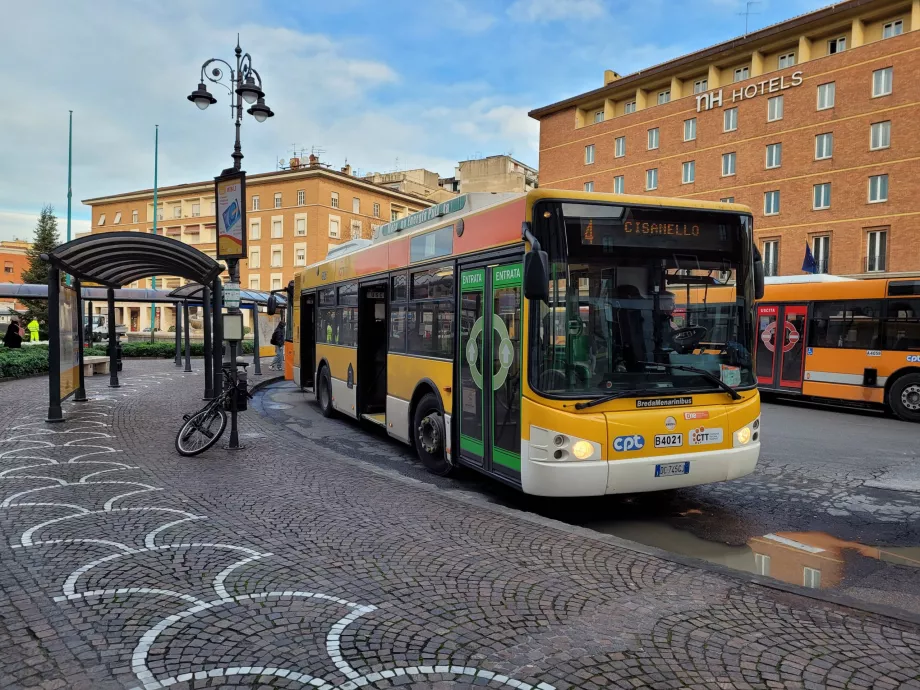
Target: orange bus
(831,337)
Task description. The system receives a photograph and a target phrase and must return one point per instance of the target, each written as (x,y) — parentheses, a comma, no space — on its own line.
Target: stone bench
(95,365)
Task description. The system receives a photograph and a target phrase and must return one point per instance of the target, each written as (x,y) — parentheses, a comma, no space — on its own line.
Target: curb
(264,383)
(471,499)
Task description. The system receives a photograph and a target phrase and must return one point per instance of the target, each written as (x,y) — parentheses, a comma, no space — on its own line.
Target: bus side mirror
(536,275)
(272,306)
(758,275)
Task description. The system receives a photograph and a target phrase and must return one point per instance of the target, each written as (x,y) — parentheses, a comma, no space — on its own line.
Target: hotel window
(664,97)
(836,45)
(876,250)
(276,258)
(394,214)
(774,155)
(619,147)
(133,216)
(277,229)
(255,202)
(159,213)
(356,229)
(589,154)
(651,179)
(376,210)
(822,253)
(629,107)
(879,135)
(276,283)
(771,203)
(253,282)
(598,116)
(255,229)
(277,199)
(727,199)
(300,255)
(730,120)
(774,108)
(117,219)
(891,29)
(334,228)
(196,210)
(742,73)
(101,219)
(771,258)
(8,267)
(618,185)
(653,139)
(334,200)
(300,227)
(826,94)
(301,197)
(822,198)
(355,205)
(824,146)
(881,82)
(878,189)
(762,564)
(254,258)
(690,129)
(811,577)
(589,186)
(688,172)
(787,60)
(700,85)
(177,211)
(728,164)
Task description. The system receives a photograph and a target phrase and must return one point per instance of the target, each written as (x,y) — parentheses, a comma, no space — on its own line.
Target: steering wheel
(686,339)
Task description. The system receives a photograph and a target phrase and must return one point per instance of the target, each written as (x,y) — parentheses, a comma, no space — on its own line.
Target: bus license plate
(669,440)
(672,469)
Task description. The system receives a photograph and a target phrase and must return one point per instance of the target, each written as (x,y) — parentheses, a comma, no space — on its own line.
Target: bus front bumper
(601,477)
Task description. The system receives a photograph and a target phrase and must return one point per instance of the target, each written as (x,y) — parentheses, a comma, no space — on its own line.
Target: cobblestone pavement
(289,565)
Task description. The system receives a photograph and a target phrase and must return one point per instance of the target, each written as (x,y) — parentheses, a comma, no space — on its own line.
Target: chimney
(347,169)
(314,161)
(610,76)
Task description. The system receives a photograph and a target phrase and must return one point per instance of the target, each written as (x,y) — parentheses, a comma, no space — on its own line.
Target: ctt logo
(624,444)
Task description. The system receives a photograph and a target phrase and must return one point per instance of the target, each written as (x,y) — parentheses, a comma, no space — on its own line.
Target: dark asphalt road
(834,503)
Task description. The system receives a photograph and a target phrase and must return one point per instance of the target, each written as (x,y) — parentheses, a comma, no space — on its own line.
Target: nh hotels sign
(713,99)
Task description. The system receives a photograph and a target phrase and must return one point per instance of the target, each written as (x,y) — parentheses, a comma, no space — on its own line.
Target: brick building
(814,123)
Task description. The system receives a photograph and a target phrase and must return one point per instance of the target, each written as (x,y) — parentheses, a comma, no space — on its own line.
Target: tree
(46,239)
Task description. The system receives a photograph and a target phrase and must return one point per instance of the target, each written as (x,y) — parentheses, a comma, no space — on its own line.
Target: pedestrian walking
(33,330)
(277,340)
(13,336)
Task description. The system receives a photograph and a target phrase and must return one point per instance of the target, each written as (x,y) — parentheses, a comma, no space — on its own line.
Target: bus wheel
(430,436)
(324,393)
(904,397)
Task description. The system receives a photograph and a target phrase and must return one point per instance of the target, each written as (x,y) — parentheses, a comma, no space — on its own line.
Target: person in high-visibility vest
(33,330)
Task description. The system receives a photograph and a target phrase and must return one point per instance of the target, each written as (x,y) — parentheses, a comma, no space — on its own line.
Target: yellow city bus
(533,338)
(852,340)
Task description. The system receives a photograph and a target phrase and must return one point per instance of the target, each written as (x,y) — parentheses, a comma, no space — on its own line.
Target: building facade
(814,123)
(500,173)
(14,259)
(292,216)
(420,182)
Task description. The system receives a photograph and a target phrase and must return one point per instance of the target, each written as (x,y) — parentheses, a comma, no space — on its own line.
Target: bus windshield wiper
(612,396)
(701,372)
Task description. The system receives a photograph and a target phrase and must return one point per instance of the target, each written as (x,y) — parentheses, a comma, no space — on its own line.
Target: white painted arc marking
(61,482)
(286,673)
(218,584)
(130,590)
(334,636)
(82,510)
(87,540)
(83,479)
(9,501)
(26,538)
(150,539)
(108,504)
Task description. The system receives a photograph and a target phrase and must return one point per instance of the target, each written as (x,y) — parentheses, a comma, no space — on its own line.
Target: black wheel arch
(904,371)
(323,362)
(423,388)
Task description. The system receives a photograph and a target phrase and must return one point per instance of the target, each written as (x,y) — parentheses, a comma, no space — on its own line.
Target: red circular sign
(792,337)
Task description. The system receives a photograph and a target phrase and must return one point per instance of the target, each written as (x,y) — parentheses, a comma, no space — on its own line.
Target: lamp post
(245,87)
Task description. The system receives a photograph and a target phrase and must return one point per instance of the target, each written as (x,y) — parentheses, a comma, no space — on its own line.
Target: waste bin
(117,351)
(242,388)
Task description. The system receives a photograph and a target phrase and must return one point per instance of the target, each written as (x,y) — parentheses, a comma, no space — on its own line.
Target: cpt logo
(913,358)
(626,443)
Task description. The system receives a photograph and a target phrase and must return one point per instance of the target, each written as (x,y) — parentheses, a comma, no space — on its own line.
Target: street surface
(297,563)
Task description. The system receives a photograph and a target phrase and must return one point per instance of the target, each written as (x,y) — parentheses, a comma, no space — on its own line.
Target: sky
(380,84)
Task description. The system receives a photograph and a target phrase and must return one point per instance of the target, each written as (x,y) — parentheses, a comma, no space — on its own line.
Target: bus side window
(901,328)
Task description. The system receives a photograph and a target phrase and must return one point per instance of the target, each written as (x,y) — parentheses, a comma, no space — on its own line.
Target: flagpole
(69,176)
(153,280)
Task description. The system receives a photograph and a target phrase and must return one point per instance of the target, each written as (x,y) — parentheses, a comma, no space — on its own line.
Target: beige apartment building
(500,173)
(293,217)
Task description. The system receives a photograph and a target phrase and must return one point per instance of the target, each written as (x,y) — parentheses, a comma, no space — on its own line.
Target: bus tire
(904,397)
(430,436)
(324,392)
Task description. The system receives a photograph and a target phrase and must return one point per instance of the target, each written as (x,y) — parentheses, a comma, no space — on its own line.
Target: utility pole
(69,179)
(153,279)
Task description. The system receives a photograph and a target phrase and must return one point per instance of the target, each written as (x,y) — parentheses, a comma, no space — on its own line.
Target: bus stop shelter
(110,259)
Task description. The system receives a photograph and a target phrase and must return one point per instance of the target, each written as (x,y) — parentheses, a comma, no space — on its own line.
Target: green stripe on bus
(471,444)
(507,459)
(507,276)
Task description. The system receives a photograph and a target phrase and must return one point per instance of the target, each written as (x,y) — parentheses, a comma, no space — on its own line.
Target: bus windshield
(639,297)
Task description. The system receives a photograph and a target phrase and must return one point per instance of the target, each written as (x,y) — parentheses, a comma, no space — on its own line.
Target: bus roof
(812,278)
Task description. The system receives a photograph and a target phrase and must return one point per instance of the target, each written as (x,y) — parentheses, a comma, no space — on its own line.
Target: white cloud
(21,225)
(551,10)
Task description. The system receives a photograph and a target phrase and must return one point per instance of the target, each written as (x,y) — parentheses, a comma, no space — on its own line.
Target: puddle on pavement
(812,559)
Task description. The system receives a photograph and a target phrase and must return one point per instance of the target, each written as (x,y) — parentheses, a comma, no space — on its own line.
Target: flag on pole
(809,265)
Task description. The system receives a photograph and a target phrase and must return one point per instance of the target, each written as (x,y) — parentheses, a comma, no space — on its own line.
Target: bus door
(780,347)
(489,404)
(307,339)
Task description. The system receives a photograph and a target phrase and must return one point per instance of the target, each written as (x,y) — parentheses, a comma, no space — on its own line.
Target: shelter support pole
(89,322)
(188,339)
(208,354)
(256,345)
(178,336)
(80,395)
(113,341)
(55,414)
(218,336)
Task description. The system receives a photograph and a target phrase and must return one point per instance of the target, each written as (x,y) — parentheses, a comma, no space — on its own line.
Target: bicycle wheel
(201,431)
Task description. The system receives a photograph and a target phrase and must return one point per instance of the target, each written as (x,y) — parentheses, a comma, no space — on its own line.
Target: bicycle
(199,433)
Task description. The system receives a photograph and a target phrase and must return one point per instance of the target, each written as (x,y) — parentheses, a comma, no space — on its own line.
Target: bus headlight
(547,445)
(743,436)
(582,450)
(746,434)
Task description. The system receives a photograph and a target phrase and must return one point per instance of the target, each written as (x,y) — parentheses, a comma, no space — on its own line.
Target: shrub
(26,361)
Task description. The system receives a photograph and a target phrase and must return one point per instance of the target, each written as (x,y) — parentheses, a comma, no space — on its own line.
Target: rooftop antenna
(747,13)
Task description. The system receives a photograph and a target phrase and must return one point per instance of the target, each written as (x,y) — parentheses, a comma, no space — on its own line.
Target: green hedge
(33,360)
